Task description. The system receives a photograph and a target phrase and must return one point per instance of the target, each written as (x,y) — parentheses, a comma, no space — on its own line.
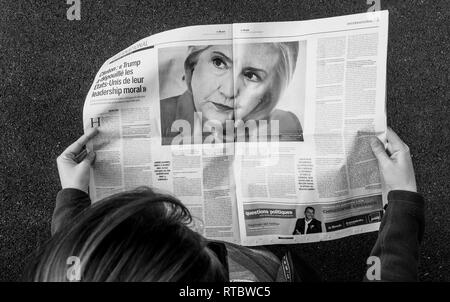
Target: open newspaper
(261,129)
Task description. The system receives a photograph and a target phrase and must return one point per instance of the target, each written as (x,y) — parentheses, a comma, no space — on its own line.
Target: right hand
(75,174)
(397,169)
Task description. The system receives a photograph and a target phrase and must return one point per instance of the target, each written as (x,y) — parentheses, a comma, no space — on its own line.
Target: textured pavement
(47,65)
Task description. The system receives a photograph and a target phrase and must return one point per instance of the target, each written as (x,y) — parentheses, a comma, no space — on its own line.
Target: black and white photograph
(125,126)
(240,82)
(308,224)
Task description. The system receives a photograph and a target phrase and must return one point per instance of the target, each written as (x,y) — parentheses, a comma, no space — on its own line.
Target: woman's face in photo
(212,83)
(257,86)
(241,88)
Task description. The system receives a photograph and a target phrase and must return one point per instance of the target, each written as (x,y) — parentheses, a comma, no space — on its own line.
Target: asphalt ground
(48,63)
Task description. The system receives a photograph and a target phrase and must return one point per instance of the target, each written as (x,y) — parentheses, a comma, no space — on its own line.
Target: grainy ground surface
(47,65)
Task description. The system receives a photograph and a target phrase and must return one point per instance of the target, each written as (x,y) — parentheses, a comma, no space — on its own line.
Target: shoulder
(287,120)
(168,109)
(257,251)
(179,106)
(69,203)
(169,104)
(251,264)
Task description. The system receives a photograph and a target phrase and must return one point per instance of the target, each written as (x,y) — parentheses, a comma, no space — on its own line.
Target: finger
(77,146)
(395,143)
(80,156)
(89,159)
(378,149)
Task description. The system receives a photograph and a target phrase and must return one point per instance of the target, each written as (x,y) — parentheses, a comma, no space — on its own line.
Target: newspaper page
(324,183)
(135,99)
(254,127)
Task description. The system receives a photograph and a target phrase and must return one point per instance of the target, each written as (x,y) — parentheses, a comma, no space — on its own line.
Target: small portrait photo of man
(308,224)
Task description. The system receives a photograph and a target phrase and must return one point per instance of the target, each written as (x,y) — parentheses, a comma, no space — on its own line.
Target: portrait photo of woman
(241,84)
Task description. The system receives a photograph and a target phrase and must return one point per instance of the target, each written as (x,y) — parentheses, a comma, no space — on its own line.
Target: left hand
(73,174)
(396,168)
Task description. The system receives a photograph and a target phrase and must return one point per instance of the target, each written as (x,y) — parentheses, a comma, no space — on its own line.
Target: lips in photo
(222,107)
(220,102)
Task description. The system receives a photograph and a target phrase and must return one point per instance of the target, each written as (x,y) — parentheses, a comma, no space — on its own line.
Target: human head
(309,213)
(133,236)
(242,84)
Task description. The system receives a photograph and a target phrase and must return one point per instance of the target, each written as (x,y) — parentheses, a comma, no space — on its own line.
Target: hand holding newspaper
(261,129)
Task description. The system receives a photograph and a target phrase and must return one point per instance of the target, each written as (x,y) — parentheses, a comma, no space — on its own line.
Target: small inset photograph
(282,219)
(308,224)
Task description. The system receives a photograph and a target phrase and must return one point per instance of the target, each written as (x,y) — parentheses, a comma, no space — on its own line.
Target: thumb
(378,149)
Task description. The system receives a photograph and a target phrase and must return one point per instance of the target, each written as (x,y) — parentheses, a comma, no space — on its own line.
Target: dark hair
(311,208)
(138,235)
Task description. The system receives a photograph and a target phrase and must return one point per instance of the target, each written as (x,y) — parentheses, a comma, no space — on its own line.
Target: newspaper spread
(261,129)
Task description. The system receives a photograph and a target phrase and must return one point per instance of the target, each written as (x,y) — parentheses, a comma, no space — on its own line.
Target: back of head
(133,236)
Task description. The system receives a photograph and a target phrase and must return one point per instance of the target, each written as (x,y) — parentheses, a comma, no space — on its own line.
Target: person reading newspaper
(144,235)
(249,124)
